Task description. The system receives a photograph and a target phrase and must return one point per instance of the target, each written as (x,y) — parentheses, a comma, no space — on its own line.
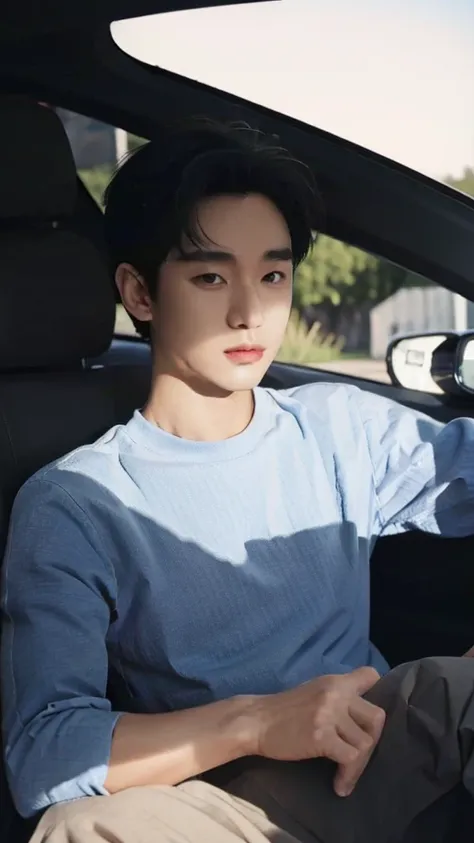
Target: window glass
(98,148)
(349,304)
(395,76)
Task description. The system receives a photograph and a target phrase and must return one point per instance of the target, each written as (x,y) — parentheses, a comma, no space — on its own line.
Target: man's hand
(328,718)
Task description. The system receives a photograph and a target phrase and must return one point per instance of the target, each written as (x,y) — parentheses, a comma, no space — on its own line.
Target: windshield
(396,77)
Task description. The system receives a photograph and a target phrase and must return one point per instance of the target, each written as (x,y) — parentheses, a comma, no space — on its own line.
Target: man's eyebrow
(284,254)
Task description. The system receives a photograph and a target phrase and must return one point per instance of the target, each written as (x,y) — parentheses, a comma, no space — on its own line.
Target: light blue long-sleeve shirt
(204,570)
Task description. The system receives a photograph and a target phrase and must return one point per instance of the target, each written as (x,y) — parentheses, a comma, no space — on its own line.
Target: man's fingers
(368,716)
(333,746)
(348,775)
(371,720)
(362,680)
(354,734)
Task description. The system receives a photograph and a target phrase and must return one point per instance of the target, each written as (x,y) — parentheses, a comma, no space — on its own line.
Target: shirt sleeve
(423,470)
(58,591)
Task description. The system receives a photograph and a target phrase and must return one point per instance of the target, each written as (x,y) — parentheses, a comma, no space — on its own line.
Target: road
(374,370)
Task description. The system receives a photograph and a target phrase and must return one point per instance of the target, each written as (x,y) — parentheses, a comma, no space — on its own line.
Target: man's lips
(245,353)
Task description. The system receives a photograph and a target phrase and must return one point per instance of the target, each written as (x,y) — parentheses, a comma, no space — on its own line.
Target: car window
(98,148)
(349,304)
(395,77)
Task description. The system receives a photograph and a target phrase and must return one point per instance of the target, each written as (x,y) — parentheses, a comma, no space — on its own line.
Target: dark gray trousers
(419,785)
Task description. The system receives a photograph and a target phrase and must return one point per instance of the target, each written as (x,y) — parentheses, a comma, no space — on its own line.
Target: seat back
(56,304)
(57,308)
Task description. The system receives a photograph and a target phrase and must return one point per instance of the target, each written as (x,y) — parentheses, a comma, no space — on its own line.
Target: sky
(395,76)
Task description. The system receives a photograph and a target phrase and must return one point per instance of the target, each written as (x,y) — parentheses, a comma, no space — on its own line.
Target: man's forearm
(151,749)
(326,717)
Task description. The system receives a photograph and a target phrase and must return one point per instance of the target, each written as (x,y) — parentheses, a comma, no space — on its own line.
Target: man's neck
(183,411)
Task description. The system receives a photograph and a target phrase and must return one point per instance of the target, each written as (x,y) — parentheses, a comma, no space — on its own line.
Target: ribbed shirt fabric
(202,570)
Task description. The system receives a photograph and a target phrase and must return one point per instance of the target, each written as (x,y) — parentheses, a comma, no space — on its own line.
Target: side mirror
(438,363)
(465,363)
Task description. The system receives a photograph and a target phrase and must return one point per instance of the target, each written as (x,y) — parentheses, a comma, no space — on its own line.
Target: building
(94,144)
(417,310)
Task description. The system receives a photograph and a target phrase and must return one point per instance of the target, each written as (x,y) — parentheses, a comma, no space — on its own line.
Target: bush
(308,346)
(96,181)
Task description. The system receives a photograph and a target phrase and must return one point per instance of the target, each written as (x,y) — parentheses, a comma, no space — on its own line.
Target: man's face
(221,311)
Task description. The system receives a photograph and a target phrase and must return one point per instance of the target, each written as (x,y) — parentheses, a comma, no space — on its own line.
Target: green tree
(331,272)
(344,276)
(338,285)
(340,278)
(465,183)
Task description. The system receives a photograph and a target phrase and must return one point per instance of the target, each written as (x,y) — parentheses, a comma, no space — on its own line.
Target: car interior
(65,378)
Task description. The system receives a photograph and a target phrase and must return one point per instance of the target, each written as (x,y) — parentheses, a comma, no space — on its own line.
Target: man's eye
(274,277)
(210,279)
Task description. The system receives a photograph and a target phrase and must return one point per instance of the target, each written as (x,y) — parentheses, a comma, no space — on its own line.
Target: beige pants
(417,789)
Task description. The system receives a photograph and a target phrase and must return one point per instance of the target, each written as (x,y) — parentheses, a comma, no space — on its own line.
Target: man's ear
(133,292)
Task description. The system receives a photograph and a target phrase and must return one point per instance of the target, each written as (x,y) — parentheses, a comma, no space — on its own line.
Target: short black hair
(150,202)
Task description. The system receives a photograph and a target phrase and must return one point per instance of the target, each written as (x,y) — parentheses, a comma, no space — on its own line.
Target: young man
(215,552)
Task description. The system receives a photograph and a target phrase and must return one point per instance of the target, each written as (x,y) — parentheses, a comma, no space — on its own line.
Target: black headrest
(57,302)
(37,170)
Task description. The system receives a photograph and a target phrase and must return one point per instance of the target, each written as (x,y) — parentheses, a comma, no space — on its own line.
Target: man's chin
(244,378)
(221,387)
(239,378)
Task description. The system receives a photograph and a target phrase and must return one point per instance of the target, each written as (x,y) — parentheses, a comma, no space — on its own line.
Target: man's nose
(245,310)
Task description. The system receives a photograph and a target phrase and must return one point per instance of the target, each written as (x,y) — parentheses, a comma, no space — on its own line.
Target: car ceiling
(64,54)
